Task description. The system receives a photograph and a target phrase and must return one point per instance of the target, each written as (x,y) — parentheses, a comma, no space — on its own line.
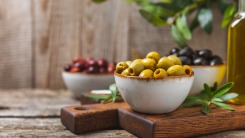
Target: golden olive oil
(236,55)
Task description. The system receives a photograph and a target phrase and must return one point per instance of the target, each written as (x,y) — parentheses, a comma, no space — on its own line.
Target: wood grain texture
(65,29)
(49,127)
(83,118)
(104,31)
(34,103)
(56,39)
(184,122)
(15,44)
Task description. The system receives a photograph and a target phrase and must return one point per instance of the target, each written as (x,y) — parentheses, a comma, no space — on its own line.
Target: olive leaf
(178,37)
(194,23)
(206,107)
(223,89)
(205,19)
(182,26)
(99,1)
(209,97)
(228,15)
(153,19)
(228,96)
(107,98)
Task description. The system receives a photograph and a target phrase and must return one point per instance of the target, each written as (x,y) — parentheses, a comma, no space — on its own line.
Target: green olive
(128,62)
(153,55)
(160,73)
(175,59)
(165,63)
(188,70)
(149,63)
(176,70)
(136,67)
(126,72)
(147,73)
(120,67)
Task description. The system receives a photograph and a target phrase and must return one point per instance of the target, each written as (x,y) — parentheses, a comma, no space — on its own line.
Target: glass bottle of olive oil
(236,54)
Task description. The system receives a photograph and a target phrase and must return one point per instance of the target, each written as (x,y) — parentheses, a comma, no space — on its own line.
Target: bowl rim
(206,66)
(151,78)
(86,74)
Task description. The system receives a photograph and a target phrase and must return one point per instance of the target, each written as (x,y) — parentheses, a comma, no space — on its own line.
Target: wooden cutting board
(184,122)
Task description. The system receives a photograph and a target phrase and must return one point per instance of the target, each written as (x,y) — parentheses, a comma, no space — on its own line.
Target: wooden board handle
(85,118)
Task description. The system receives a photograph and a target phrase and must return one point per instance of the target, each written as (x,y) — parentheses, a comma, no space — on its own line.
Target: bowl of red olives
(154,84)
(208,67)
(86,74)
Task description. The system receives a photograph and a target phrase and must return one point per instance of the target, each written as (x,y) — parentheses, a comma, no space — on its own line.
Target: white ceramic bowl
(80,82)
(154,96)
(206,74)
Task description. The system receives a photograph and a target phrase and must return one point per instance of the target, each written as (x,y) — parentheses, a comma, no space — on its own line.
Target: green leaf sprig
(211,96)
(113,97)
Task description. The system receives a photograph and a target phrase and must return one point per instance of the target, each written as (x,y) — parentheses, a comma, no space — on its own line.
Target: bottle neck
(241,6)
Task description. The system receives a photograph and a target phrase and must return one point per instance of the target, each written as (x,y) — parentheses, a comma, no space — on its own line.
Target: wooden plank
(14,127)
(15,44)
(105,30)
(184,122)
(56,39)
(34,103)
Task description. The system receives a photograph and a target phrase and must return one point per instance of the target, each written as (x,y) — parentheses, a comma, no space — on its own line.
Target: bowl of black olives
(154,84)
(86,74)
(208,67)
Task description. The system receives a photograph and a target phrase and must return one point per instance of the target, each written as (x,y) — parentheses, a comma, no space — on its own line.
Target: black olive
(67,67)
(174,51)
(194,56)
(187,51)
(215,60)
(185,60)
(200,61)
(196,52)
(205,53)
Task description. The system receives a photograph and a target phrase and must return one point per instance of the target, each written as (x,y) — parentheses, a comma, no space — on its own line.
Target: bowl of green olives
(154,85)
(86,74)
(208,67)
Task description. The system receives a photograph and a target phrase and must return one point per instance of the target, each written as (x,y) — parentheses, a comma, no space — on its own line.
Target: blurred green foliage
(175,13)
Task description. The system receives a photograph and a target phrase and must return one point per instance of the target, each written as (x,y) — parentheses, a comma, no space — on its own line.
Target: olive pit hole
(131,70)
(187,71)
(81,108)
(158,71)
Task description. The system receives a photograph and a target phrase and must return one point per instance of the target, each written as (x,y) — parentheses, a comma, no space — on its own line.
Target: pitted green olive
(120,67)
(188,70)
(126,72)
(147,73)
(149,63)
(160,73)
(153,55)
(165,63)
(176,70)
(175,59)
(136,67)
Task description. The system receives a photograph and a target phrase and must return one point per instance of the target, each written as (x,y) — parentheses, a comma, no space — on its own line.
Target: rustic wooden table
(34,113)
